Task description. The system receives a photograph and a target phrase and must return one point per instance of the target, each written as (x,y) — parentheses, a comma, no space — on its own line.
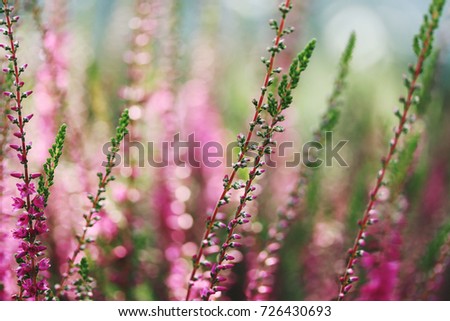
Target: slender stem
(18,99)
(344,280)
(82,238)
(247,190)
(227,187)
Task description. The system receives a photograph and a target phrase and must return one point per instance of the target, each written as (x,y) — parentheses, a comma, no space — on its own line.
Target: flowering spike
(422,45)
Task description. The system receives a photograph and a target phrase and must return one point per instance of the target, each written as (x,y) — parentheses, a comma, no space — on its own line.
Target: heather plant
(274,108)
(93,216)
(263,277)
(30,205)
(422,46)
(252,218)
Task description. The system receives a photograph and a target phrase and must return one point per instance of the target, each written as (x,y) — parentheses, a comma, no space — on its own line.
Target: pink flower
(18,203)
(29,288)
(22,250)
(35,249)
(23,270)
(44,264)
(42,285)
(38,202)
(20,233)
(40,227)
(23,220)
(26,190)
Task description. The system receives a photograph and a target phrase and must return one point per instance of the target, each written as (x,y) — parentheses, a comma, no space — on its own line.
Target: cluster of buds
(244,142)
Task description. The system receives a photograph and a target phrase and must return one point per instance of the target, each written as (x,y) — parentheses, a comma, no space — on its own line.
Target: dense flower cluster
(28,205)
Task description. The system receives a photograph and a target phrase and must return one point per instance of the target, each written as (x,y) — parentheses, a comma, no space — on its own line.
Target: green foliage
(121,131)
(288,83)
(104,179)
(432,253)
(84,284)
(331,117)
(399,169)
(46,180)
(300,63)
(424,39)
(427,82)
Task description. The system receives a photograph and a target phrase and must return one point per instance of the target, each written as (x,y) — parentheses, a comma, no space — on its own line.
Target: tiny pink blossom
(40,227)
(42,285)
(38,202)
(44,264)
(23,220)
(20,233)
(22,250)
(18,203)
(23,269)
(29,288)
(26,190)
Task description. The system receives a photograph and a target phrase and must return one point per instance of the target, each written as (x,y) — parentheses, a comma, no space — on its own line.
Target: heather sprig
(244,140)
(331,116)
(422,46)
(31,221)
(96,201)
(400,168)
(275,108)
(263,281)
(84,284)
(47,180)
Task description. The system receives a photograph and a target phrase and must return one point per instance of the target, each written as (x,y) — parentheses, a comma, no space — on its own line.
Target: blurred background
(194,67)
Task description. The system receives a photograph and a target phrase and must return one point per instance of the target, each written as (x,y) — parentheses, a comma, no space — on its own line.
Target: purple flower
(23,270)
(20,233)
(38,202)
(44,264)
(26,190)
(18,203)
(35,249)
(42,285)
(28,286)
(22,250)
(40,227)
(23,220)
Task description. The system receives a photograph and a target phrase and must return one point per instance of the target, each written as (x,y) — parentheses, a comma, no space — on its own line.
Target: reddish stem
(247,190)
(24,151)
(344,281)
(82,238)
(227,187)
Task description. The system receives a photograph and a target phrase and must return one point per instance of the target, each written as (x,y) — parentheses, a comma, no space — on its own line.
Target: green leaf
(47,180)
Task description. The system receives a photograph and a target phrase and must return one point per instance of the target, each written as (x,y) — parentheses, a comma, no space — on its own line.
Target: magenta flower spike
(31,219)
